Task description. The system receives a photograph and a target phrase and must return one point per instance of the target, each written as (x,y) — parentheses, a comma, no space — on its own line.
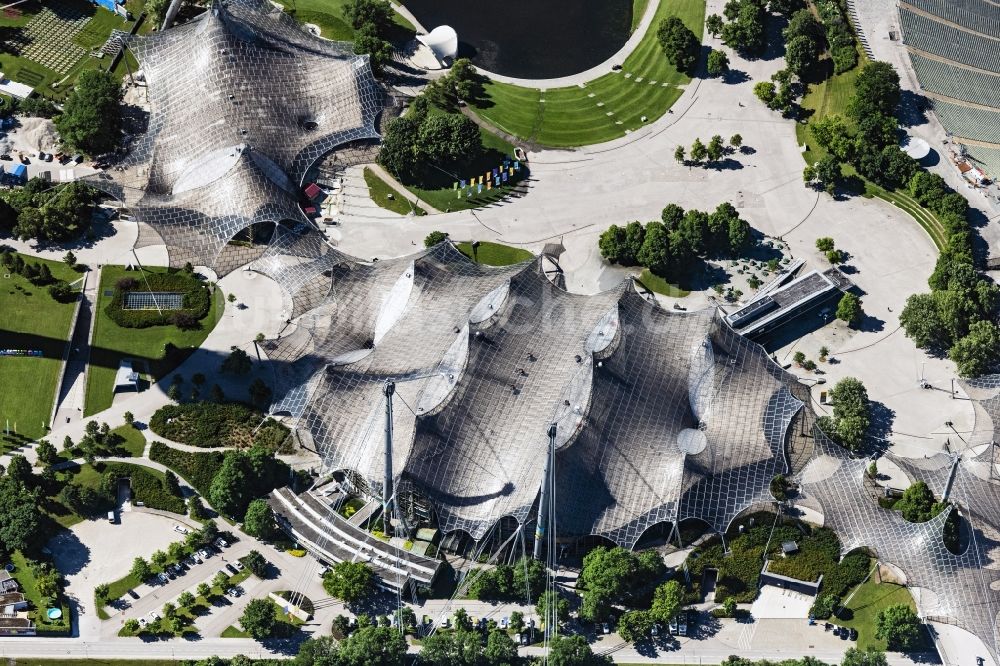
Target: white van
(111,517)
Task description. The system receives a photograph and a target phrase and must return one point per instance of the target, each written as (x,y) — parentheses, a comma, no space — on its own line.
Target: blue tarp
(107,4)
(20,171)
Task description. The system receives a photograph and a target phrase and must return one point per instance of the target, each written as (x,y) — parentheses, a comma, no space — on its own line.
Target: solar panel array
(243,76)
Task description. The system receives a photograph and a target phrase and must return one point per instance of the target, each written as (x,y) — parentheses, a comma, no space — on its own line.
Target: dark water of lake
(535,39)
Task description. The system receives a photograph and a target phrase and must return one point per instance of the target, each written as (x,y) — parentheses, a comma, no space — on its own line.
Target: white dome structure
(443,43)
(915,147)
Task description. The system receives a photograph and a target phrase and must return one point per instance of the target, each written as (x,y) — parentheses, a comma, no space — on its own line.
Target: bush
(146,487)
(198,469)
(210,424)
(847,574)
(61,291)
(197,301)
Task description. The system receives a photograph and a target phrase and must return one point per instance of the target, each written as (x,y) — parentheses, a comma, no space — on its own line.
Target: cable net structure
(243,101)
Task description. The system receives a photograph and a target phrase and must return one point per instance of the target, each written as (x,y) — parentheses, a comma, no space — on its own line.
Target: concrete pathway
(73,390)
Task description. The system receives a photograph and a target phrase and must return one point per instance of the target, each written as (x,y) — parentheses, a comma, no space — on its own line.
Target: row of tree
(372,21)
(670,247)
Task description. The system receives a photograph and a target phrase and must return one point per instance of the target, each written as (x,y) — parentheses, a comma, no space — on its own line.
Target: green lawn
(329,16)
(436,187)
(661,286)
(825,99)
(31,319)
(379,191)
(607,107)
(495,254)
(94,33)
(135,441)
(869,598)
(112,342)
(29,588)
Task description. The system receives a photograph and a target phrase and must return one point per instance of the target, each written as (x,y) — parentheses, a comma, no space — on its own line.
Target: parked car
(232,568)
(154,616)
(605,628)
(238,565)
(503,623)
(204,552)
(221,543)
(177,571)
(163,577)
(655,629)
(197,557)
(854,634)
(142,622)
(233,592)
(181,529)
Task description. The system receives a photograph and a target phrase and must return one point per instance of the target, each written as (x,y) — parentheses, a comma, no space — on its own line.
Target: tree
(238,362)
(617,575)
(159,558)
(635,625)
(745,29)
(917,504)
(765,92)
(259,618)
(367,41)
(718,63)
(131,625)
(256,563)
(204,590)
(736,140)
(435,237)
(461,647)
(371,646)
(680,45)
(869,657)
(824,244)
(140,569)
(185,599)
(713,24)
(898,626)
(715,148)
(849,308)
(552,596)
(828,172)
(500,649)
(19,470)
(835,256)
(91,117)
(698,151)
(876,91)
(921,319)
(655,251)
(377,13)
(260,393)
(446,139)
(679,154)
(574,651)
(46,453)
(259,520)
(667,601)
(801,54)
(349,581)
(516,621)
(129,419)
(976,353)
(398,150)
(851,413)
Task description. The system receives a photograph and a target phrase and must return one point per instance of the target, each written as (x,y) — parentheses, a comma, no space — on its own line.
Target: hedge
(818,553)
(211,424)
(197,300)
(198,469)
(147,487)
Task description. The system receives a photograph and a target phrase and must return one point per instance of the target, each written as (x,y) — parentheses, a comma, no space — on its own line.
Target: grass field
(828,98)
(29,587)
(436,186)
(329,16)
(661,286)
(638,7)
(135,441)
(495,254)
(47,81)
(868,600)
(379,191)
(31,319)
(607,107)
(112,342)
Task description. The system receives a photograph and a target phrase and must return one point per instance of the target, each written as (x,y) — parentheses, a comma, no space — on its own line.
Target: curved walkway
(594,72)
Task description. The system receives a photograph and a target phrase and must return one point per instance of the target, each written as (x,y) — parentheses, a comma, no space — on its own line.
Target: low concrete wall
(292,608)
(785,582)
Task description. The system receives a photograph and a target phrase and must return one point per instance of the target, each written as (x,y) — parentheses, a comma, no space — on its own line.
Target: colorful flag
(489,184)
(454,185)
(511,169)
(505,176)
(461,184)
(480,190)
(494,172)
